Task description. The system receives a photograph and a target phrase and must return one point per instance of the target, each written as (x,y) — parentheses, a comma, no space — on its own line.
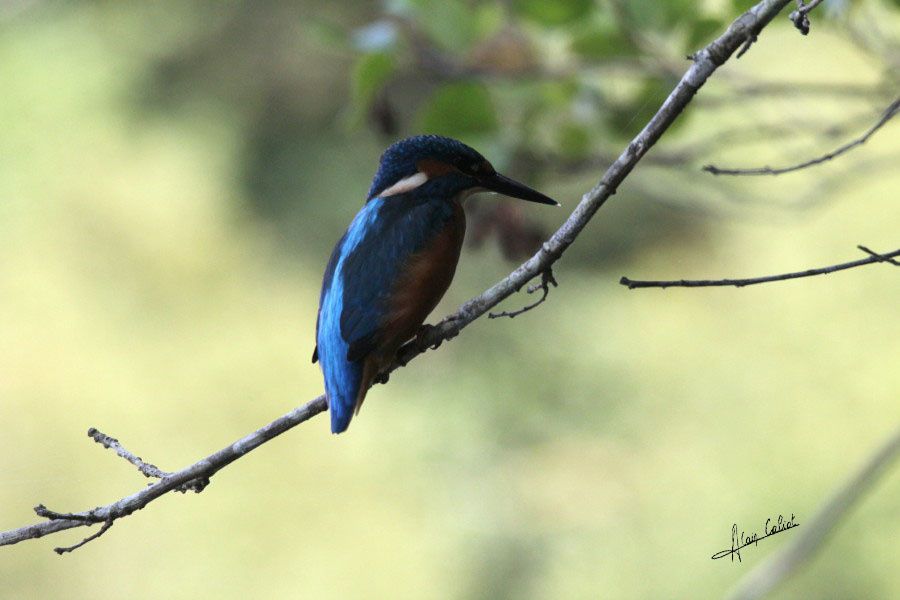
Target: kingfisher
(395,261)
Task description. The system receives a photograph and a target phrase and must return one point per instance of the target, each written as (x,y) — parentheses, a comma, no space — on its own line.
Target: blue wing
(357,288)
(371,270)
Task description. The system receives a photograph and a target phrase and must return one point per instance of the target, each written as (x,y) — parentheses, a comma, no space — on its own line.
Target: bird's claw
(422,338)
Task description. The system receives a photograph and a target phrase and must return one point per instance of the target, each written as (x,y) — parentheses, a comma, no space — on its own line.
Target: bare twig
(632,284)
(679,156)
(800,17)
(873,258)
(86,517)
(880,257)
(705,63)
(547,279)
(204,468)
(765,577)
(149,470)
(107,524)
(886,116)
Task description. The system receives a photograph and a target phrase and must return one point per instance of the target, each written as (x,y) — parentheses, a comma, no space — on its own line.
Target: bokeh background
(172,178)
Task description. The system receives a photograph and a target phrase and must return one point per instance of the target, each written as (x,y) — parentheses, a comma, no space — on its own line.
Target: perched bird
(396,260)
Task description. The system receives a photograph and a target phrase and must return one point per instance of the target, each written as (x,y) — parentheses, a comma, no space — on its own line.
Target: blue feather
(373,254)
(357,288)
(395,261)
(342,377)
(400,159)
(403,228)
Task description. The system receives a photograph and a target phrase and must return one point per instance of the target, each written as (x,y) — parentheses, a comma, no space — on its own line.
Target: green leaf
(553,12)
(370,74)
(459,109)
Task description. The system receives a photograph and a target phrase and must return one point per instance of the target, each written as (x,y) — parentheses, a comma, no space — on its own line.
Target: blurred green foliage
(559,43)
(173,175)
(460,109)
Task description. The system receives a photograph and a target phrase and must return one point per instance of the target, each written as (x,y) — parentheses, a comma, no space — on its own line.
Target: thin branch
(107,524)
(886,116)
(800,17)
(677,157)
(87,517)
(683,154)
(769,574)
(825,189)
(205,468)
(149,470)
(705,63)
(546,280)
(874,257)
(880,257)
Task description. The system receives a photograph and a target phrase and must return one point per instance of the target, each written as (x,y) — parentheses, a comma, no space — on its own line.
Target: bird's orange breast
(422,284)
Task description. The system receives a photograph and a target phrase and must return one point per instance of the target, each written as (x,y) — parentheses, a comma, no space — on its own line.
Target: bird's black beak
(508,187)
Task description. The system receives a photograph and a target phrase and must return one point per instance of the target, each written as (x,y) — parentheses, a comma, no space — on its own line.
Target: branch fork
(889,113)
(874,257)
(547,280)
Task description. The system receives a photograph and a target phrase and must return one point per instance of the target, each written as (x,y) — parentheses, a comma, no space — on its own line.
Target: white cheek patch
(407,184)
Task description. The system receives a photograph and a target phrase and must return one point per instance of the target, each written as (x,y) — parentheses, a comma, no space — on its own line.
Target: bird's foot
(422,340)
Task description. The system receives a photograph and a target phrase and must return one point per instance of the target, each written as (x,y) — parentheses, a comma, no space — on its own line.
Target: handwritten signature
(742,539)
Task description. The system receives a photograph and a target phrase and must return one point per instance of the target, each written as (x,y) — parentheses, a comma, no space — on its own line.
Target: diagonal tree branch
(204,468)
(886,116)
(705,63)
(874,257)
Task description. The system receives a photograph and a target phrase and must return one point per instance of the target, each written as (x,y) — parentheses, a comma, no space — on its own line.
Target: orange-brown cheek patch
(434,168)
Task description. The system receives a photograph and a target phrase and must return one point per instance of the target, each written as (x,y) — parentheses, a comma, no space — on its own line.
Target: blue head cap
(404,159)
(436,167)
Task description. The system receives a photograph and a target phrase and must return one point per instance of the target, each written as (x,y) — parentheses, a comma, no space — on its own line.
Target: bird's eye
(476,169)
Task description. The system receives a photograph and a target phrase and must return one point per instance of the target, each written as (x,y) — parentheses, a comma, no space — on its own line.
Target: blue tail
(343,377)
(342,382)
(340,326)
